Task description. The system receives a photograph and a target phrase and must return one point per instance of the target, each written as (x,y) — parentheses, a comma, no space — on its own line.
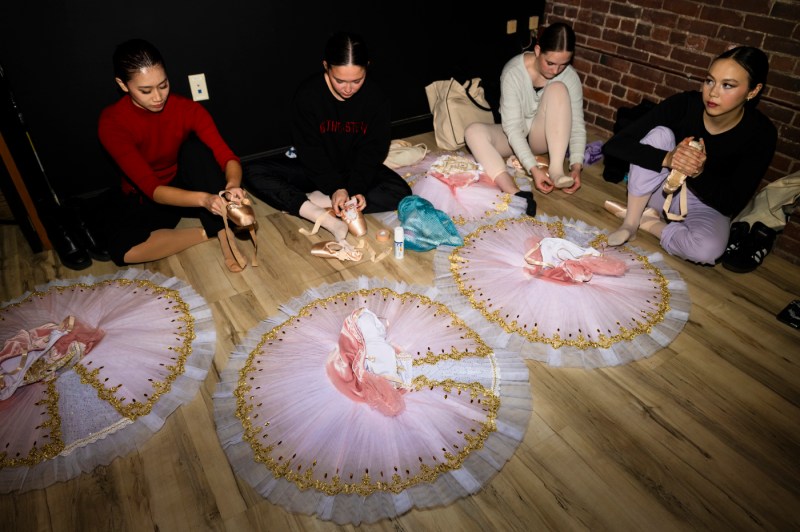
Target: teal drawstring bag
(426,227)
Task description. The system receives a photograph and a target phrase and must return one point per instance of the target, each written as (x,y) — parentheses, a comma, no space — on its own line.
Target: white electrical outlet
(197,84)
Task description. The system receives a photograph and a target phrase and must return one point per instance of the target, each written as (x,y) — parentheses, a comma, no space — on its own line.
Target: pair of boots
(747,246)
(73,239)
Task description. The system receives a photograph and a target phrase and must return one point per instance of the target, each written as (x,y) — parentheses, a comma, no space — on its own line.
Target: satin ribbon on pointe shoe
(244,219)
(317,223)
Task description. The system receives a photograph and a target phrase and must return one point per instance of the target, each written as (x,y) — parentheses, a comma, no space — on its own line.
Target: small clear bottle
(399,242)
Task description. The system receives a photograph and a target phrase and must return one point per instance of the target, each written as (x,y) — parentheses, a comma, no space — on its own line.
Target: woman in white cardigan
(541,107)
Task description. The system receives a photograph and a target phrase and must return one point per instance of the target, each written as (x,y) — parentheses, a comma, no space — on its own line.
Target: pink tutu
(147,342)
(296,431)
(625,307)
(458,186)
(461,189)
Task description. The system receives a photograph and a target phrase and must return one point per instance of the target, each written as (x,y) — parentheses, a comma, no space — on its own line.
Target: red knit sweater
(145,145)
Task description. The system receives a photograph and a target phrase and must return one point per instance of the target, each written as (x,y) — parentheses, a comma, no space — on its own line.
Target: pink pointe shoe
(615,208)
(341,250)
(356,223)
(675,178)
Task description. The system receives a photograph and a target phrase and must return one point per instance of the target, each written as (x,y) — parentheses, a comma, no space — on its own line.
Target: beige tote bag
(455,106)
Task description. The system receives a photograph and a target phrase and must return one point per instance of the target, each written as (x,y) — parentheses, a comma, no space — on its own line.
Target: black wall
(56,58)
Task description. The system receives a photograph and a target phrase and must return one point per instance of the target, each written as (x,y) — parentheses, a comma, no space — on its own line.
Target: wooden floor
(703,435)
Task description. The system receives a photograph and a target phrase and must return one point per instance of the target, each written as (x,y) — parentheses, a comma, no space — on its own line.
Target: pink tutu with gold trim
(314,436)
(455,184)
(581,313)
(154,343)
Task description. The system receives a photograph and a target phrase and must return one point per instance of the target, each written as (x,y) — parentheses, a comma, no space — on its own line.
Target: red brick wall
(629,50)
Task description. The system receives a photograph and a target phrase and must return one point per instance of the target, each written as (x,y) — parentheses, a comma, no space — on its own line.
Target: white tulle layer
(158,345)
(481,202)
(607,321)
(291,434)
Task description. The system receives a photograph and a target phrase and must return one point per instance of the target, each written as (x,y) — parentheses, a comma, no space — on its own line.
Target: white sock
(319,199)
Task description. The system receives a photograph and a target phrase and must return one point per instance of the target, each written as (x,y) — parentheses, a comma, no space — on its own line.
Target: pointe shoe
(620,236)
(564,181)
(615,208)
(356,223)
(240,213)
(675,178)
(244,219)
(341,250)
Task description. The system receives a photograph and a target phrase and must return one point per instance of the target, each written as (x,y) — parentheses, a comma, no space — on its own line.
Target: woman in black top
(341,133)
(738,143)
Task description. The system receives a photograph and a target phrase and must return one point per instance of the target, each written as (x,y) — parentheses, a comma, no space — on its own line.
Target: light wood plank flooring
(703,435)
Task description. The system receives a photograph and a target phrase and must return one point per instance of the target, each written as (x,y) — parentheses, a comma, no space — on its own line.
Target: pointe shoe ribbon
(675,181)
(675,178)
(242,215)
(317,223)
(683,204)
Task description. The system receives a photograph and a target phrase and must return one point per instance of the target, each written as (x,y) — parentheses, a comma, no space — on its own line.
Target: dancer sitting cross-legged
(341,134)
(715,181)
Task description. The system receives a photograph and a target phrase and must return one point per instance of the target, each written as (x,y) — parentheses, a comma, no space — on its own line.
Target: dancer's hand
(214,204)
(575,173)
(686,159)
(338,199)
(541,180)
(237,193)
(361,201)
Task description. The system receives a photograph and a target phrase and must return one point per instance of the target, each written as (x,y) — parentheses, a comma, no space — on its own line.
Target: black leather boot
(69,251)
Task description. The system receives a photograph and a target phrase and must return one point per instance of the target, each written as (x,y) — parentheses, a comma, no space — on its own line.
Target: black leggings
(284,183)
(136,216)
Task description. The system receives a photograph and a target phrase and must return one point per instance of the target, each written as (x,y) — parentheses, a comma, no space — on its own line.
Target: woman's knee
(555,89)
(660,137)
(692,246)
(477,132)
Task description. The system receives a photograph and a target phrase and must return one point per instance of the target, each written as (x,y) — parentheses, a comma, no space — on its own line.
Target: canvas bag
(455,106)
(403,153)
(768,205)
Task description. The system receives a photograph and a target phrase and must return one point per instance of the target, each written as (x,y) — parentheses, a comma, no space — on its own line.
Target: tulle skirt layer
(305,445)
(467,197)
(158,344)
(604,322)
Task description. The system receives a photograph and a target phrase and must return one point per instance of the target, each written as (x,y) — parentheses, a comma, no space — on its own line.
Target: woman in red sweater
(173,163)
